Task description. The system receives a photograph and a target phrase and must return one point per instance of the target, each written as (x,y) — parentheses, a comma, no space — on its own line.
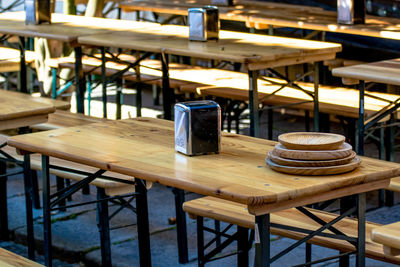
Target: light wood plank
(9,259)
(389,236)
(386,71)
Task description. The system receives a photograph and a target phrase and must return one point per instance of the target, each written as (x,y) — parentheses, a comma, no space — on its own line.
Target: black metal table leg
(35,188)
(143,223)
(104,81)
(22,79)
(253,103)
(168,93)
(181,230)
(361,205)
(46,212)
(262,241)
(243,246)
(316,97)
(104,228)
(119,98)
(361,126)
(346,203)
(3,203)
(200,242)
(28,206)
(138,89)
(80,81)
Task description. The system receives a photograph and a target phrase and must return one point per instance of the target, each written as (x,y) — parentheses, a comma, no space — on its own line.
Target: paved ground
(76,238)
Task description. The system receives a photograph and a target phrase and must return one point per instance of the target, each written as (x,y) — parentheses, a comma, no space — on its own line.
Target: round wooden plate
(343,152)
(309,163)
(311,140)
(328,170)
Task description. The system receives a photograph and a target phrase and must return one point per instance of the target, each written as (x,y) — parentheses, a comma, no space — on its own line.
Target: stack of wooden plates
(312,154)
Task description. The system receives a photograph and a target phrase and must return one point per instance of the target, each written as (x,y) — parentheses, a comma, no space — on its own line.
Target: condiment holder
(308,153)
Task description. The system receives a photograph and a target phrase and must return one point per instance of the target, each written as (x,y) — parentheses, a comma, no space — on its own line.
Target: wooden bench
(10,259)
(10,59)
(389,236)
(237,214)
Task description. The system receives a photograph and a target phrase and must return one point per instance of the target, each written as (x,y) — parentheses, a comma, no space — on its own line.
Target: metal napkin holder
(351,12)
(203,23)
(37,11)
(222,2)
(197,127)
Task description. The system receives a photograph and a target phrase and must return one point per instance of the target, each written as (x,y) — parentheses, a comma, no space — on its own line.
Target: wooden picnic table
(21,110)
(386,72)
(238,173)
(64,28)
(263,15)
(255,52)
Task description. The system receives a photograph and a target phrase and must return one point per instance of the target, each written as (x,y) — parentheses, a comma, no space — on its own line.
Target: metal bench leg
(35,188)
(46,212)
(80,81)
(119,99)
(361,126)
(60,186)
(308,252)
(270,114)
(262,241)
(361,204)
(143,223)
(104,80)
(200,241)
(316,97)
(22,82)
(181,225)
(253,103)
(28,206)
(104,228)
(4,235)
(243,246)
(217,227)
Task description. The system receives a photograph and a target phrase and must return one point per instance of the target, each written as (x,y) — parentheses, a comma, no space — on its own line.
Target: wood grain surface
(261,15)
(9,259)
(311,141)
(144,148)
(309,163)
(320,171)
(386,71)
(257,51)
(389,236)
(344,151)
(18,109)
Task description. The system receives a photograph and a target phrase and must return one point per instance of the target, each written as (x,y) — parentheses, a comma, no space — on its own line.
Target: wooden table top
(257,51)
(284,15)
(144,148)
(9,259)
(65,28)
(386,71)
(18,109)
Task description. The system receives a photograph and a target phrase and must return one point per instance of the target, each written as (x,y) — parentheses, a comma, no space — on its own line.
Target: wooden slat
(9,259)
(144,148)
(234,213)
(386,71)
(389,236)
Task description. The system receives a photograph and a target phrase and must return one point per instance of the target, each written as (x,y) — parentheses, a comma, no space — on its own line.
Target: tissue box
(350,11)
(37,11)
(203,23)
(197,127)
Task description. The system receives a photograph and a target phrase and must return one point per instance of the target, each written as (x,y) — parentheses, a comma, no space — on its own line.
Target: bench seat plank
(389,236)
(9,259)
(234,213)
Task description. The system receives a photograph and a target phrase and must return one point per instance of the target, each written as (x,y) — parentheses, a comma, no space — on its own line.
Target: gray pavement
(76,237)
